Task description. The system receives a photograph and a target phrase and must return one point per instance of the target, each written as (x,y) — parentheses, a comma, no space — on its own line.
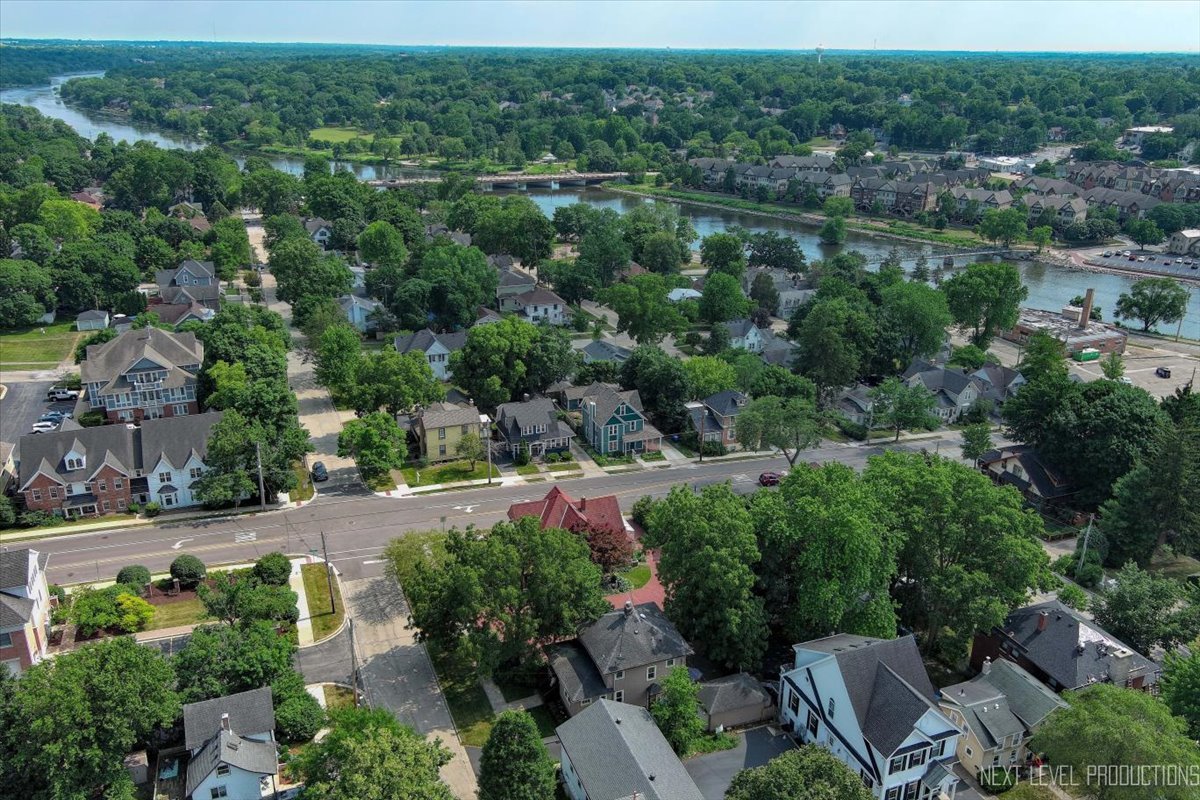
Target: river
(1050,286)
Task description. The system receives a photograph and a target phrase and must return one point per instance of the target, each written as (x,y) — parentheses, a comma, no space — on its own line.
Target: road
(358,524)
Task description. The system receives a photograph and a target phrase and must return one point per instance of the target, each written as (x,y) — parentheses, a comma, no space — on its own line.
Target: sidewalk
(304,631)
(103,524)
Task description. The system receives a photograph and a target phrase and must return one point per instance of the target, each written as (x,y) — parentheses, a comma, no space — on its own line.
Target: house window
(813,724)
(222,770)
(104,505)
(940,750)
(118,483)
(168,499)
(613,430)
(918,758)
(587,702)
(441,433)
(670,662)
(620,676)
(218,791)
(912,790)
(829,710)
(102,486)
(893,793)
(441,449)
(866,779)
(180,410)
(120,505)
(5,640)
(36,494)
(897,765)
(465,430)
(53,492)
(164,477)
(793,702)
(631,426)
(619,695)
(651,673)
(74,463)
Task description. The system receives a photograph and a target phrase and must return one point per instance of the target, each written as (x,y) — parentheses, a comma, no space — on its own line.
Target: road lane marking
(466,509)
(244,536)
(179,544)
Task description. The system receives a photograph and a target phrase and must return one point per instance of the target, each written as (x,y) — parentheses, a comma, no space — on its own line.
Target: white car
(43,427)
(59,393)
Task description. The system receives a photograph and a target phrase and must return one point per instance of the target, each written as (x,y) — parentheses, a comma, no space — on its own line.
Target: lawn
(29,348)
(528,469)
(653,455)
(316,586)
(636,577)
(304,490)
(447,473)
(173,615)
(545,720)
(711,743)
(338,135)
(381,483)
(1176,566)
(564,467)
(516,684)
(338,697)
(468,704)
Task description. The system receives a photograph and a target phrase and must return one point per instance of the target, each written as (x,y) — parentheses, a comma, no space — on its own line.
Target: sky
(979,25)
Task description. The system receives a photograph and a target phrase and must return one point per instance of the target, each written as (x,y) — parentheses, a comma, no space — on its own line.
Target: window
(196,472)
(74,463)
(619,695)
(5,640)
(441,449)
(918,758)
(465,430)
(829,710)
(793,702)
(940,750)
(441,433)
(613,430)
(222,770)
(36,494)
(120,505)
(670,662)
(102,486)
(620,676)
(180,410)
(894,793)
(813,723)
(866,779)
(164,477)
(587,702)
(651,673)
(912,790)
(53,492)
(104,505)
(631,426)
(897,765)
(168,499)
(218,791)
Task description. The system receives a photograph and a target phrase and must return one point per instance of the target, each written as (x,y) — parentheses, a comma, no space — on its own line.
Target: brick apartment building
(143,374)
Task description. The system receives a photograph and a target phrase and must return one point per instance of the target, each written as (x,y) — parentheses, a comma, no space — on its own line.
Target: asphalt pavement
(713,772)
(21,406)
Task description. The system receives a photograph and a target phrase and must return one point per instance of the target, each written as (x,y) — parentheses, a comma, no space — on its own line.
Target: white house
(232,744)
(24,609)
(540,305)
(744,335)
(953,390)
(870,703)
(358,311)
(681,294)
(436,348)
(1182,243)
(92,321)
(319,230)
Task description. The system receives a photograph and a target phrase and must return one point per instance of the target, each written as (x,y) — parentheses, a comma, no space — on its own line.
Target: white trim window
(651,672)
(619,695)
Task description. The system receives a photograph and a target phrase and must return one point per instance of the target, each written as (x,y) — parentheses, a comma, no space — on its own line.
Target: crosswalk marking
(244,536)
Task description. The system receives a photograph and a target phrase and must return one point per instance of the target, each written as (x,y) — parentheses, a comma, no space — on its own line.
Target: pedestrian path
(500,705)
(304,631)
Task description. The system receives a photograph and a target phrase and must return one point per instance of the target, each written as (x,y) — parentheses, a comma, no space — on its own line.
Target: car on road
(42,426)
(319,473)
(1163,372)
(769,479)
(62,393)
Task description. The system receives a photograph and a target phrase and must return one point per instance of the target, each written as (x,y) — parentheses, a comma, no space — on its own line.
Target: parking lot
(23,403)
(1157,261)
(1141,364)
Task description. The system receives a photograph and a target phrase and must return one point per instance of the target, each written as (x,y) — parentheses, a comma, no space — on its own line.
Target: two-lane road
(358,525)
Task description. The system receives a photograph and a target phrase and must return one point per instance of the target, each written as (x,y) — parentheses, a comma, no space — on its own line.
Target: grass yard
(653,455)
(173,615)
(338,697)
(545,720)
(711,743)
(316,586)
(338,135)
(468,704)
(1174,566)
(638,576)
(569,466)
(29,348)
(528,469)
(304,490)
(381,483)
(447,473)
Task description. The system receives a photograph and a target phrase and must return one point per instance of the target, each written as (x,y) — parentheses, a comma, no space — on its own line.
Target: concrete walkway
(500,705)
(304,631)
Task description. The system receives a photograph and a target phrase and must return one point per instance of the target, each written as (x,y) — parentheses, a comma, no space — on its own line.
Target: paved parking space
(714,772)
(23,403)
(1141,365)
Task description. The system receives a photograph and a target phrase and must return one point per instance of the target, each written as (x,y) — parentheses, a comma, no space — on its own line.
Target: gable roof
(103,362)
(732,692)
(632,637)
(424,339)
(176,438)
(538,297)
(607,400)
(446,415)
(250,713)
(1003,701)
(726,403)
(559,510)
(739,327)
(91,316)
(512,418)
(618,752)
(227,747)
(1044,480)
(512,276)
(314,224)
(577,675)
(601,350)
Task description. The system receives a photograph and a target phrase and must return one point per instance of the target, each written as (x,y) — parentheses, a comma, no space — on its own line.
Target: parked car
(1141,259)
(41,426)
(769,479)
(62,393)
(319,473)
(1125,380)
(54,416)
(1108,253)
(1163,372)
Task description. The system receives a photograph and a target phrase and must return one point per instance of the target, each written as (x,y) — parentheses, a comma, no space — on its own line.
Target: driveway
(714,772)
(328,661)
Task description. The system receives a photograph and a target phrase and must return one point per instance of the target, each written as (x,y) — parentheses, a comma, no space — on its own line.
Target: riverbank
(891,229)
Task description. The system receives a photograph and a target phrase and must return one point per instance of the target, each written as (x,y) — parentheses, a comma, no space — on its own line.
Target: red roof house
(559,510)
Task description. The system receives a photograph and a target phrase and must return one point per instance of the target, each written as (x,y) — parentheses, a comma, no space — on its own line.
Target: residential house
(486,316)
(358,311)
(91,321)
(231,746)
(1185,243)
(856,405)
(458,237)
(436,347)
(794,290)
(534,425)
(715,417)
(512,284)
(8,466)
(1129,204)
(998,711)
(1000,383)
(621,656)
(190,282)
(1022,467)
(319,230)
(175,314)
(571,397)
(776,350)
(559,510)
(604,350)
(442,426)
(735,701)
(24,609)
(679,294)
(1135,136)
(143,374)
(86,472)
(826,186)
(818,162)
(540,305)
(954,391)
(613,422)
(85,197)
(1039,186)
(1063,650)
(983,199)
(870,703)
(615,751)
(744,335)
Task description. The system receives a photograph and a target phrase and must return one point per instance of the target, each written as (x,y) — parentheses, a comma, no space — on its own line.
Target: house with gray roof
(143,374)
(231,746)
(319,230)
(870,702)
(191,282)
(512,283)
(620,657)
(440,427)
(615,751)
(436,347)
(735,701)
(1063,650)
(82,472)
(24,609)
(715,417)
(744,335)
(359,311)
(533,425)
(613,422)
(604,350)
(1022,467)
(953,390)
(998,710)
(539,305)
(95,320)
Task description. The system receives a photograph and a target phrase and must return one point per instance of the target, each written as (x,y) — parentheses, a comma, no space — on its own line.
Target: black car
(319,473)
(1163,372)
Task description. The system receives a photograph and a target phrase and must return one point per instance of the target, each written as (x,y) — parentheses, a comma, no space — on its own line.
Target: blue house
(613,422)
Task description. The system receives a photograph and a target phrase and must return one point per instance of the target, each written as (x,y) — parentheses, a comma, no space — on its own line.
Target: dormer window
(74,462)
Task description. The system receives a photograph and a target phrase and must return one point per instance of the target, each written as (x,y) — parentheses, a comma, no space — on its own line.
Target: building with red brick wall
(559,510)
(24,609)
(716,417)
(145,373)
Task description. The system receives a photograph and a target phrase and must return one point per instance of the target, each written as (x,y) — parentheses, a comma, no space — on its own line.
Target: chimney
(1043,619)
(224,722)
(1086,315)
(628,608)
(987,665)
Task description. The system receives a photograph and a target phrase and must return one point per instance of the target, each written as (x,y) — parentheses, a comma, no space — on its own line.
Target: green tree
(764,293)
(833,231)
(643,310)
(708,375)
(222,659)
(381,245)
(515,226)
(1143,610)
(1153,300)
(676,710)
(831,561)
(26,292)
(396,382)
(722,299)
(723,252)
(338,355)
(602,249)
(302,271)
(68,220)
(776,251)
(899,406)
(502,361)
(375,442)
(834,341)
(970,553)
(514,764)
(460,281)
(913,321)
(1144,232)
(1180,688)
(68,722)
(1113,366)
(791,424)
(809,773)
(1041,236)
(242,600)
(188,570)
(1106,724)
(838,207)
(706,567)
(470,447)
(976,440)
(496,599)
(660,253)
(273,569)
(369,755)
(662,383)
(985,298)
(231,247)
(1003,225)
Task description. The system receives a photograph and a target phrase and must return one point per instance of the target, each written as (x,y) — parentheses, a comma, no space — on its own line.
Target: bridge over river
(513,180)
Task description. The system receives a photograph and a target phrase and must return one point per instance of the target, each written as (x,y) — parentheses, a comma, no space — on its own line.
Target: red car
(769,479)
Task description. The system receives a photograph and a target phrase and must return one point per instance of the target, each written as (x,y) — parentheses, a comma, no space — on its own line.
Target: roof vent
(628,607)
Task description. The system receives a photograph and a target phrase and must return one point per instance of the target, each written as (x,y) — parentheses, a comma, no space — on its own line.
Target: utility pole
(262,493)
(354,663)
(703,414)
(1086,536)
(328,574)
(487,443)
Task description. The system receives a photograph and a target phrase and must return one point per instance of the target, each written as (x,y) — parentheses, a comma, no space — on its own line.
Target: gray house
(601,350)
(232,744)
(734,701)
(91,321)
(436,347)
(533,424)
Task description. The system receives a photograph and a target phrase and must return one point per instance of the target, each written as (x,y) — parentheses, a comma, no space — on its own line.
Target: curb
(345,611)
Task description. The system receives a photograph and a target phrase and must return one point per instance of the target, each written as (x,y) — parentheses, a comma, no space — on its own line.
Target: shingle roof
(516,277)
(618,752)
(314,224)
(600,350)
(14,567)
(89,316)
(176,438)
(512,418)
(1046,481)
(424,339)
(726,403)
(731,693)
(445,415)
(539,297)
(559,510)
(250,713)
(229,748)
(1004,701)
(14,610)
(632,637)
(607,400)
(576,672)
(109,360)
(739,327)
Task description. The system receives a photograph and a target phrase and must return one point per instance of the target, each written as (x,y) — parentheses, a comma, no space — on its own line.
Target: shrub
(152,509)
(273,569)
(36,519)
(565,455)
(1072,596)
(113,608)
(134,575)
(134,613)
(188,570)
(134,508)
(91,419)
(522,457)
(298,715)
(641,509)
(1090,575)
(59,592)
(551,458)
